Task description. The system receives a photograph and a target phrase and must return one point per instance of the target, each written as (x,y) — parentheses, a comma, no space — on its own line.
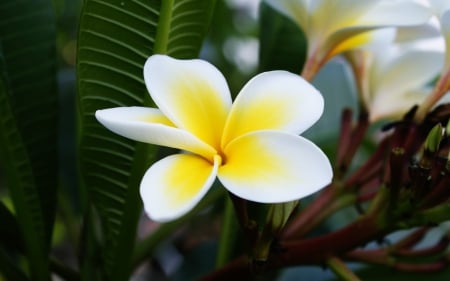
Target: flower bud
(431,146)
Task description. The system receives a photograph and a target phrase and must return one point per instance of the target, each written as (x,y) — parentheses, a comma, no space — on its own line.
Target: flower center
(223,158)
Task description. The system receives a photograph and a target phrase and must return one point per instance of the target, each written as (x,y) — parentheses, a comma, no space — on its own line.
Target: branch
(313,251)
(341,269)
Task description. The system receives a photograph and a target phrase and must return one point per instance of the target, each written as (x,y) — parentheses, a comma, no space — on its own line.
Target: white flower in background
(393,76)
(252,145)
(335,26)
(441,10)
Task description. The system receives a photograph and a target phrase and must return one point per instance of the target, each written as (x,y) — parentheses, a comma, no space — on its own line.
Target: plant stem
(163,31)
(370,168)
(327,203)
(308,217)
(357,136)
(316,250)
(344,140)
(311,67)
(249,226)
(341,269)
(441,87)
(226,235)
(433,215)
(376,256)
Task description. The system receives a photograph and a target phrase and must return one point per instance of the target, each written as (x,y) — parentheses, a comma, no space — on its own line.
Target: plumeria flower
(441,9)
(252,145)
(393,76)
(334,26)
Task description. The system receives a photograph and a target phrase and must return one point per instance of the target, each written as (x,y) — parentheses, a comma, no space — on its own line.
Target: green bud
(279,214)
(434,139)
(276,219)
(447,128)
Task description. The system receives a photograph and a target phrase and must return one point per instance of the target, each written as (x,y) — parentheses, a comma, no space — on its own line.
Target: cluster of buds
(252,144)
(405,183)
(418,173)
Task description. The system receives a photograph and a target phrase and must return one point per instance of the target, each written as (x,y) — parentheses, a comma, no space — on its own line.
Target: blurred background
(241,44)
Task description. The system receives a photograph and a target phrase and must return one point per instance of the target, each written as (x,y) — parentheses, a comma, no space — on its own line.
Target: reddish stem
(357,137)
(422,268)
(314,250)
(377,256)
(368,191)
(371,167)
(441,87)
(412,239)
(440,247)
(350,139)
(439,193)
(311,216)
(381,257)
(345,138)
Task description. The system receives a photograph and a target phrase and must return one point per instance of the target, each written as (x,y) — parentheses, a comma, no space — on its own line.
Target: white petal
(439,7)
(395,106)
(429,31)
(193,94)
(404,70)
(445,25)
(387,13)
(380,39)
(329,16)
(175,184)
(275,100)
(151,126)
(273,167)
(380,15)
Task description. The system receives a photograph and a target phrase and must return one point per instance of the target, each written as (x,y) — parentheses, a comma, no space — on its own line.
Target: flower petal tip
(274,167)
(174,185)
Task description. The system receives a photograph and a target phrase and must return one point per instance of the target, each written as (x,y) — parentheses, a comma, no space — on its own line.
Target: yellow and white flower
(441,11)
(334,26)
(252,145)
(392,77)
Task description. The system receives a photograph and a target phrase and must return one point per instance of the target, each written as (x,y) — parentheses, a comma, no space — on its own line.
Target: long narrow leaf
(19,178)
(115,39)
(10,237)
(11,246)
(283,44)
(9,269)
(27,35)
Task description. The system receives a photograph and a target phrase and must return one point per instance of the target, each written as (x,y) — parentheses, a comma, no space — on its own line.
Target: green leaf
(27,35)
(10,237)
(11,245)
(22,187)
(282,42)
(29,122)
(9,268)
(115,39)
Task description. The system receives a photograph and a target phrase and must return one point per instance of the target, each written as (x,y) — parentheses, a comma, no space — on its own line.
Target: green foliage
(28,129)
(283,44)
(115,39)
(27,34)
